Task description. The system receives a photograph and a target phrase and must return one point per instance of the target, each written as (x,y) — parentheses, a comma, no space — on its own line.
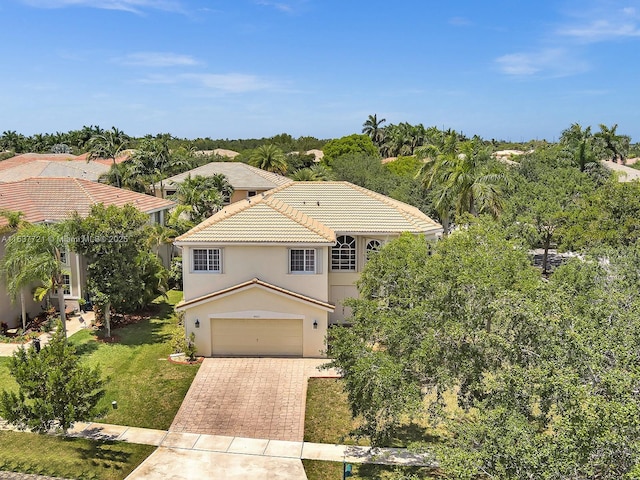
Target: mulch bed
(111,339)
(186,361)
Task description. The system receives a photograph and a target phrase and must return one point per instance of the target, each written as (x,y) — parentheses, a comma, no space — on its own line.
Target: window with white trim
(66,284)
(207,260)
(343,254)
(372,246)
(302,260)
(64,258)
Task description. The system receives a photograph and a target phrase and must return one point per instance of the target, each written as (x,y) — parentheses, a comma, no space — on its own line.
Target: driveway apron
(249,397)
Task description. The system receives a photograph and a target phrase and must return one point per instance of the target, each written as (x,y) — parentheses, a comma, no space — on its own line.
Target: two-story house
(51,200)
(268,275)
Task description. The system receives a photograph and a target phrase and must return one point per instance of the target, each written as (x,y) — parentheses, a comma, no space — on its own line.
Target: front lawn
(328,418)
(147,388)
(69,457)
(321,470)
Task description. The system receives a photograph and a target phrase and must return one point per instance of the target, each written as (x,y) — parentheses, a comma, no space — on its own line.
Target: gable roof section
(54,199)
(240,175)
(260,219)
(254,283)
(345,207)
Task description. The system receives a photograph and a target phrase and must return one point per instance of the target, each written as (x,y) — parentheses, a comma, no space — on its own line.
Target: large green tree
(123,273)
(544,374)
(350,145)
(54,389)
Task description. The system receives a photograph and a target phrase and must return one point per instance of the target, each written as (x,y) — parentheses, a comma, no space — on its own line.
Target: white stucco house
(268,275)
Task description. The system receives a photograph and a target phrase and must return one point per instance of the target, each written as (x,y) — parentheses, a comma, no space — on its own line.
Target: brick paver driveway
(249,397)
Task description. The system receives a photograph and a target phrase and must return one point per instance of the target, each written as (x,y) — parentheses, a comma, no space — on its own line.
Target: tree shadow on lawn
(412,432)
(105,453)
(381,472)
(151,329)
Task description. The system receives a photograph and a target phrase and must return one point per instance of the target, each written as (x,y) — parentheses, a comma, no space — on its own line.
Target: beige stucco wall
(10,311)
(243,263)
(259,303)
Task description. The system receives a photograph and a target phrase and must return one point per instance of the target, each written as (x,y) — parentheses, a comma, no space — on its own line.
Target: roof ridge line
(224,213)
(407,213)
(309,222)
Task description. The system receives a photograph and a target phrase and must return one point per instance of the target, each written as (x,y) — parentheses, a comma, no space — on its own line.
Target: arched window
(372,246)
(343,255)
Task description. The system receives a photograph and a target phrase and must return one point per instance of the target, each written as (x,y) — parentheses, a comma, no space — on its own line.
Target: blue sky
(504,69)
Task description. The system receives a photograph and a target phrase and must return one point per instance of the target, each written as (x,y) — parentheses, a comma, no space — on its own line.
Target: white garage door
(250,336)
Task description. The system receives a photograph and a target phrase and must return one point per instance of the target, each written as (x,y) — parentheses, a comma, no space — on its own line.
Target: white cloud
(220,82)
(553,62)
(600,30)
(601,23)
(134,6)
(157,59)
(288,6)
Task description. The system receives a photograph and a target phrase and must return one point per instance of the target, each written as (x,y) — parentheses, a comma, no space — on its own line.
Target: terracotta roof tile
(54,199)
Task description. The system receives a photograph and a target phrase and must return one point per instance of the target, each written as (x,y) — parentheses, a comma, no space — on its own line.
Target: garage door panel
(231,336)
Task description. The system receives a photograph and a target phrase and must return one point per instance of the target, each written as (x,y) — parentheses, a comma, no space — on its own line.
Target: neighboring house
(53,168)
(50,200)
(246,180)
(269,274)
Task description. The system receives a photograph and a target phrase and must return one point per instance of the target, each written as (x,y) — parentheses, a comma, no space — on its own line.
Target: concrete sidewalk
(74,324)
(250,446)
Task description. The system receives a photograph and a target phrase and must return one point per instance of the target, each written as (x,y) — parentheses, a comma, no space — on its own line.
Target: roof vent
(318,203)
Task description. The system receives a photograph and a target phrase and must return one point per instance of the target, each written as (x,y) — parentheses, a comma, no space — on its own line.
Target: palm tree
(371,127)
(458,171)
(127,175)
(580,144)
(615,145)
(204,195)
(34,255)
(269,158)
(15,222)
(108,144)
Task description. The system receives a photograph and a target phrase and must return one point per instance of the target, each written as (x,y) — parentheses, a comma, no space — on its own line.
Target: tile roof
(345,207)
(54,199)
(240,175)
(310,212)
(260,219)
(255,282)
(52,168)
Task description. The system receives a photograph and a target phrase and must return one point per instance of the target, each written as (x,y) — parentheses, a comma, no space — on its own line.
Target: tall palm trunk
(107,318)
(23,309)
(63,313)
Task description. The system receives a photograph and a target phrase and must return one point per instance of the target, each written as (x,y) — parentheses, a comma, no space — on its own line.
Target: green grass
(321,470)
(328,418)
(69,457)
(327,415)
(148,389)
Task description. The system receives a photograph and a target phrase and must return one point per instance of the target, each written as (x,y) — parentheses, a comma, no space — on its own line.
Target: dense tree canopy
(123,273)
(545,374)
